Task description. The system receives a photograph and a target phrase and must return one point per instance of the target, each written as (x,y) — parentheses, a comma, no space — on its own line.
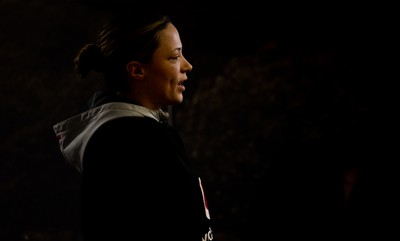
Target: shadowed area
(283,103)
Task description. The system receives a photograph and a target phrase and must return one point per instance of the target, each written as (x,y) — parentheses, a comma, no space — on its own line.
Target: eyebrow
(179,49)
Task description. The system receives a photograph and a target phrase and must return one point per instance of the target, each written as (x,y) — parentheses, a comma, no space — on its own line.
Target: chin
(179,99)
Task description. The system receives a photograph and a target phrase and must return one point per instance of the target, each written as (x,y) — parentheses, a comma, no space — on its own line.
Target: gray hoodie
(74,133)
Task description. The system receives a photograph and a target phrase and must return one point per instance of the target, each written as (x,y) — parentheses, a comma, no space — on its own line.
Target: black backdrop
(282,100)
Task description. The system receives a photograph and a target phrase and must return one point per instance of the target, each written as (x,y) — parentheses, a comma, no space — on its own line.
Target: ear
(135,69)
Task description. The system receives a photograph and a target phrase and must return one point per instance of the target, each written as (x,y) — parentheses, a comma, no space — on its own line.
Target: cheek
(165,75)
(171,75)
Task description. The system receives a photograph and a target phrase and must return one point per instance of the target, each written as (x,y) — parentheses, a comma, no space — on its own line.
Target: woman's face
(165,75)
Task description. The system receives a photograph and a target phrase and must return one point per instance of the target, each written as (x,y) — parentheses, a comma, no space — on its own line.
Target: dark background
(283,100)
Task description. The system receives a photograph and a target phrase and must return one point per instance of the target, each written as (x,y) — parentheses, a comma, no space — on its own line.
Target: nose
(187,67)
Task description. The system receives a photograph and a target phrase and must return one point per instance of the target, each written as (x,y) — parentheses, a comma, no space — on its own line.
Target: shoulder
(125,131)
(125,126)
(129,133)
(118,141)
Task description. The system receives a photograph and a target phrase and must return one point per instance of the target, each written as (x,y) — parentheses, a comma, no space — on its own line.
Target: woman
(137,182)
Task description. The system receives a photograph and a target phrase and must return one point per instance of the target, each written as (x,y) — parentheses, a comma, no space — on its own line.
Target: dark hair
(125,37)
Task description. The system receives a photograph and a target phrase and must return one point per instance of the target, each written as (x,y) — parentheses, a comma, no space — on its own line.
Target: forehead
(169,38)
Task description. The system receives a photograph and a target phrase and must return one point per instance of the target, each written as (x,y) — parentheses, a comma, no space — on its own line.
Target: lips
(181,86)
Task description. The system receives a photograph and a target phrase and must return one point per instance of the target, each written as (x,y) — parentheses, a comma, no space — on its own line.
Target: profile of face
(163,78)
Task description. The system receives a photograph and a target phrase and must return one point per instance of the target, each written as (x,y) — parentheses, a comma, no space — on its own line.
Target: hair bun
(88,58)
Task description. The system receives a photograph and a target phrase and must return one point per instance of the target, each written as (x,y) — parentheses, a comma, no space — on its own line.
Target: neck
(135,99)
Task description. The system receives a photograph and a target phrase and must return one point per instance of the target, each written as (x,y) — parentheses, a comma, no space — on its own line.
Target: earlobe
(135,69)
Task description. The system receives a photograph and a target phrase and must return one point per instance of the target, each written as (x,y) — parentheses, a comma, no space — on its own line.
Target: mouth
(181,85)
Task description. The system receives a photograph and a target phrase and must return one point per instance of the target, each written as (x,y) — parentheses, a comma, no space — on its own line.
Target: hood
(74,133)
